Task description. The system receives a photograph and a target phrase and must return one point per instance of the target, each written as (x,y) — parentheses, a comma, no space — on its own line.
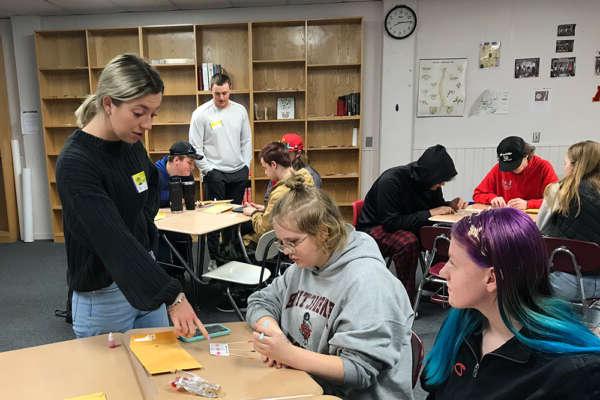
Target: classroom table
(68,369)
(471,209)
(200,222)
(84,366)
(240,378)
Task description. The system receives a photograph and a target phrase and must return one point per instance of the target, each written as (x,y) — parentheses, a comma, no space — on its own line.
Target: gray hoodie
(354,308)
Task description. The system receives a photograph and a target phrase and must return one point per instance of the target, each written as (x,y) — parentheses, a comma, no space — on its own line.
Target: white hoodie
(354,308)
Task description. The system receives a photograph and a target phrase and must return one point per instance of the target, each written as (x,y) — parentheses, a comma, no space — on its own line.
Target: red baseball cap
(293,141)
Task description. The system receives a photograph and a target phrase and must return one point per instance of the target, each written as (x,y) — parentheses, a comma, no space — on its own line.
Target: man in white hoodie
(337,312)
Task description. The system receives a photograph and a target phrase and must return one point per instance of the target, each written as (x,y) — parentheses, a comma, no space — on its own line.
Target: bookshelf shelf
(74,68)
(340,176)
(174,66)
(275,91)
(333,148)
(313,61)
(333,66)
(333,118)
(233,91)
(280,121)
(283,61)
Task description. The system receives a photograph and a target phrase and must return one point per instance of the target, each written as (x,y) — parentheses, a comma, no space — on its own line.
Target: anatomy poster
(442,87)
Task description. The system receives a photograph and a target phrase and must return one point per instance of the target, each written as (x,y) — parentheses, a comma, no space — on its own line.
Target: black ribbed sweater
(109,226)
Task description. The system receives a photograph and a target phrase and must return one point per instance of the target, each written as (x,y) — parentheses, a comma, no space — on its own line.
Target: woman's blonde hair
(585,160)
(126,77)
(311,210)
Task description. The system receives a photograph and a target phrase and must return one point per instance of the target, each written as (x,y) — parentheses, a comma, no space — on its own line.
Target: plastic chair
(578,258)
(435,241)
(418,352)
(240,273)
(357,206)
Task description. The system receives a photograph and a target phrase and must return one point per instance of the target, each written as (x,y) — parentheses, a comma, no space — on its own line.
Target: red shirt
(528,185)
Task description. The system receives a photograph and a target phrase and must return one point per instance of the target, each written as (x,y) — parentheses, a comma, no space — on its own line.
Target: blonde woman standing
(571,209)
(337,312)
(109,191)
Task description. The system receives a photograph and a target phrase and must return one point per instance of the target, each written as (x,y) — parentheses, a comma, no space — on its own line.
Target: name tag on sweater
(140,182)
(216,124)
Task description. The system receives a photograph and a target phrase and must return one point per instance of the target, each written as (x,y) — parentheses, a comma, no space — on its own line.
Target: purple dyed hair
(509,241)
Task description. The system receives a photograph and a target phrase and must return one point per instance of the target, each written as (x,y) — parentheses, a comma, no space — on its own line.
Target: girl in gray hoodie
(337,312)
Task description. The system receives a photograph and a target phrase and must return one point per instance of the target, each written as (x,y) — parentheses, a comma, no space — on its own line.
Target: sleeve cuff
(350,372)
(253,317)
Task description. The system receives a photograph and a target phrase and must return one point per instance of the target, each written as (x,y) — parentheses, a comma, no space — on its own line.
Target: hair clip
(474,232)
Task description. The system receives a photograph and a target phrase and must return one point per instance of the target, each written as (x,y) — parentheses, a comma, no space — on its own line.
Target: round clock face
(400,22)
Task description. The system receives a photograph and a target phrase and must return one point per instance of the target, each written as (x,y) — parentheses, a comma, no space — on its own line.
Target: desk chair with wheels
(435,241)
(240,273)
(418,352)
(580,259)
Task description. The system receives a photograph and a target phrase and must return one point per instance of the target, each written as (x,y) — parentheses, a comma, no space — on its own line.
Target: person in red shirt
(519,178)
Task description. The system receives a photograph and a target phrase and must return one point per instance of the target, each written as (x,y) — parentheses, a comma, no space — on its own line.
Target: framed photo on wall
(562,67)
(442,87)
(527,68)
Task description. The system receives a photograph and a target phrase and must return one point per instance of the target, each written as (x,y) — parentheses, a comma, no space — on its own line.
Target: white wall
(525,29)
(23,28)
(397,88)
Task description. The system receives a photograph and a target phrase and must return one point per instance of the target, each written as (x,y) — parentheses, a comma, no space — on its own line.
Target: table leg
(191,271)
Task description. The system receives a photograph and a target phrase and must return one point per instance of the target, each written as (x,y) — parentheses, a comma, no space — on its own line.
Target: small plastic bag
(195,384)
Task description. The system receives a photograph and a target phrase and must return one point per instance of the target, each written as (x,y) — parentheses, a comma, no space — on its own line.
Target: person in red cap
(295,145)
(519,178)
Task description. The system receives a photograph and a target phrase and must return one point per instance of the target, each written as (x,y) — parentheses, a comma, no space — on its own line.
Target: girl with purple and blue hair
(505,336)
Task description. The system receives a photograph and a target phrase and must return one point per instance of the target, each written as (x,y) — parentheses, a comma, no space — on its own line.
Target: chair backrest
(418,352)
(357,206)
(573,256)
(267,247)
(435,237)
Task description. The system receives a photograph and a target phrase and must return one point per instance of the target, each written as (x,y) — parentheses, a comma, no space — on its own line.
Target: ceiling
(11,8)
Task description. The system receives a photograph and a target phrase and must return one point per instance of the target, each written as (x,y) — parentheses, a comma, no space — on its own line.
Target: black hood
(433,167)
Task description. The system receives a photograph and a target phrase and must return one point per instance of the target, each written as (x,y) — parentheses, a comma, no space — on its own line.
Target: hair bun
(296,182)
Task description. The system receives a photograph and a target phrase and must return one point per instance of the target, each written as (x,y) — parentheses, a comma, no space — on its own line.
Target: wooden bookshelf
(313,61)
(333,69)
(8,203)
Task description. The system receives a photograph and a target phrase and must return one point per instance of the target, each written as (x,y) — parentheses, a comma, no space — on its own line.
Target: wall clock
(400,22)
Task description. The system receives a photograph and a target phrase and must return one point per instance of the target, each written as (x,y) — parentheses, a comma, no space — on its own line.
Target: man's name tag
(216,124)
(140,182)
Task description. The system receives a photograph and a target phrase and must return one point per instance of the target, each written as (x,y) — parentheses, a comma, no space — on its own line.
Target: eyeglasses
(289,247)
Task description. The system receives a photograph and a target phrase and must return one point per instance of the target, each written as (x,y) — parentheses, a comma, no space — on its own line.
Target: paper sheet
(92,396)
(218,208)
(160,352)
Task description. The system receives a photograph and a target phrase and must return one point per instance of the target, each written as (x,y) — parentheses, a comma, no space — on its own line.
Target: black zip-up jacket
(109,223)
(400,199)
(514,371)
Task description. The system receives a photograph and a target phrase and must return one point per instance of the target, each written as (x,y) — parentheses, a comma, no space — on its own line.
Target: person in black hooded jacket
(401,201)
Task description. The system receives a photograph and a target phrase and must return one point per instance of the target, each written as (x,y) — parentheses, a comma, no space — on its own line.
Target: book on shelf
(348,104)
(206,72)
(285,108)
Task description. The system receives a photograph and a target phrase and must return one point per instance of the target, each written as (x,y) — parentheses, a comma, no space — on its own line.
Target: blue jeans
(107,310)
(565,286)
